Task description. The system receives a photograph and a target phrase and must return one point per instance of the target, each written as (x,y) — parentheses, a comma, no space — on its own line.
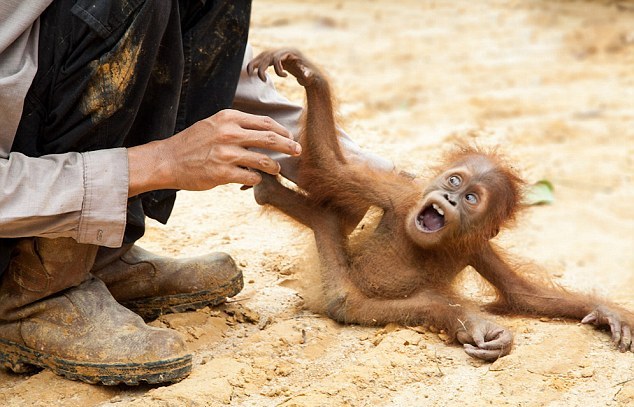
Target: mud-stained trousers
(120,73)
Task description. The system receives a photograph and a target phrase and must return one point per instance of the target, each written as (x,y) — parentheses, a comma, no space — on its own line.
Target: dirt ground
(551,82)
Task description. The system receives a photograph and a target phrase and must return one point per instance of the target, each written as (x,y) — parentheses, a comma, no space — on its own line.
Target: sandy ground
(551,82)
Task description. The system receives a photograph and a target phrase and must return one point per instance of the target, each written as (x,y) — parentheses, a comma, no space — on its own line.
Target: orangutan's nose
(451,199)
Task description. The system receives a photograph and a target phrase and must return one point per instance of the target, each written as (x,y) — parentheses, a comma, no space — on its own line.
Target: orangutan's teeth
(437,208)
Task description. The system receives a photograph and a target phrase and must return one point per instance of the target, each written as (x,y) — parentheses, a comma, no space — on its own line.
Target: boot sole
(152,308)
(21,359)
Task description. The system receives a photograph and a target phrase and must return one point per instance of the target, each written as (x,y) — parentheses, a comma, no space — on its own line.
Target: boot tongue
(432,219)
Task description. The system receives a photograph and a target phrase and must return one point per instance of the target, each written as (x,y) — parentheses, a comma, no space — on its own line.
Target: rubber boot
(54,314)
(151,285)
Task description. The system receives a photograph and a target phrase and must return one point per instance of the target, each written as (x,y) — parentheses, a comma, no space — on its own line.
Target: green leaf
(539,193)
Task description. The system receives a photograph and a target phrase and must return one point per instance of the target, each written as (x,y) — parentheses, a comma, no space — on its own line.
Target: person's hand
(211,152)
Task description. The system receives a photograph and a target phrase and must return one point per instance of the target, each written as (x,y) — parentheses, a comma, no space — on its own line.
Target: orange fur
(401,270)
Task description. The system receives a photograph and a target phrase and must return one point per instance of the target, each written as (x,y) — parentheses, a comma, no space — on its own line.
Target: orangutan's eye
(455,181)
(471,198)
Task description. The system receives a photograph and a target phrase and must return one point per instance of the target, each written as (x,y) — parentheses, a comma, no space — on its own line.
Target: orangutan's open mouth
(432,218)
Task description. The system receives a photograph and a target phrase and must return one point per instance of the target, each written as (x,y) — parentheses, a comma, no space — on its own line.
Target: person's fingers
(270,140)
(238,175)
(260,162)
(255,122)
(248,130)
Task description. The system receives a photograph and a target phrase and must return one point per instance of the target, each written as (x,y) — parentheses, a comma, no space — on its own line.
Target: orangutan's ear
(494,233)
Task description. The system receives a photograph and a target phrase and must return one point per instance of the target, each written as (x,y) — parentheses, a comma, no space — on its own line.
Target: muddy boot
(55,315)
(152,285)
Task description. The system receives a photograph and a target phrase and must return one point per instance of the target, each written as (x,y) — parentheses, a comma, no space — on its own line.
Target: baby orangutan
(403,271)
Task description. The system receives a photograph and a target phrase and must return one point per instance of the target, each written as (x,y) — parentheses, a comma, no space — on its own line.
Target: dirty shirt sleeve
(78,195)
